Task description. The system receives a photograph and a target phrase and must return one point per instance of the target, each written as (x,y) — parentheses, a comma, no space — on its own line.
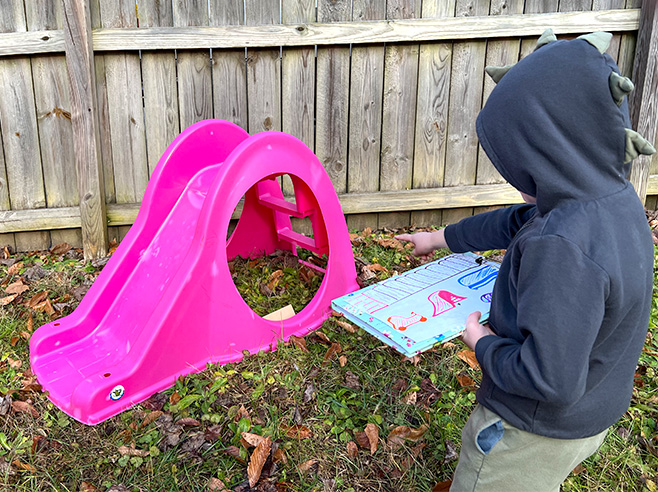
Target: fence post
(84,118)
(644,99)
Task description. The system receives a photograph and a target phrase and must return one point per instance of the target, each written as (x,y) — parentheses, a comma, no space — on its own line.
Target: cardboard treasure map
(414,311)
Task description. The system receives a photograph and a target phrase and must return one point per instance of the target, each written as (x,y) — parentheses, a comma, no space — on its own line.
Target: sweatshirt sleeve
(488,230)
(560,304)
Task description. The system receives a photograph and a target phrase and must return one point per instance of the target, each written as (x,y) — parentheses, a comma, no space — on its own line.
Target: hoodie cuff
(453,239)
(483,345)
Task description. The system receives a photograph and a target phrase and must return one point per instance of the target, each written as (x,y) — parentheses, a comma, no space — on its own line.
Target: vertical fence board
(20,135)
(229,69)
(365,113)
(536,7)
(627,45)
(399,112)
(465,103)
(263,71)
(53,105)
(124,90)
(85,123)
(194,72)
(434,68)
(5,239)
(161,118)
(499,53)
(332,97)
(644,99)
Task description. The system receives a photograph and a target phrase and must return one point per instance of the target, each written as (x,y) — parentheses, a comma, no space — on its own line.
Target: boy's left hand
(474,330)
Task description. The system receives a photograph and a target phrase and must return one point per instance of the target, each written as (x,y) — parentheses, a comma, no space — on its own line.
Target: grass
(314,408)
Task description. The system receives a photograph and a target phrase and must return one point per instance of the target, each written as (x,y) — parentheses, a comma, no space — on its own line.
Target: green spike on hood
(620,87)
(636,144)
(497,73)
(547,37)
(600,40)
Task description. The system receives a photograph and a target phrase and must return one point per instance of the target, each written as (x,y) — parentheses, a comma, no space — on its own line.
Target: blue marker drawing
(479,278)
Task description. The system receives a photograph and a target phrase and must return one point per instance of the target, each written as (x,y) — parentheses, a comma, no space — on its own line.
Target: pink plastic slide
(165,304)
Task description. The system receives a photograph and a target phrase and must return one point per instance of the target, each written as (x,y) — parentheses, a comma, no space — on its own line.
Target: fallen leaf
(333,349)
(451,452)
(299,342)
(342,360)
(45,307)
(39,443)
(376,267)
(25,335)
(322,336)
(24,407)
(6,300)
(15,268)
(242,414)
(87,487)
(150,418)
(233,451)
(309,393)
(578,470)
(155,402)
(352,380)
(274,279)
(14,363)
(13,341)
(36,299)
(347,326)
(17,287)
(468,356)
(352,450)
(174,398)
(414,359)
(279,456)
(390,243)
(297,431)
(442,486)
(257,460)
(410,398)
(307,465)
(449,345)
(30,322)
(362,439)
(372,431)
(132,451)
(252,440)
(466,382)
(215,484)
(188,421)
(61,248)
(366,232)
(402,433)
(23,466)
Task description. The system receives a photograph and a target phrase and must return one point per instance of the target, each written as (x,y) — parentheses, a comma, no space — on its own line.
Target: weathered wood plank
(499,53)
(332,98)
(544,8)
(124,90)
(18,123)
(372,32)
(465,103)
(52,91)
(85,123)
(5,239)
(644,99)
(365,112)
(194,72)
(627,46)
(161,118)
(399,112)
(229,71)
(124,214)
(263,71)
(29,43)
(298,73)
(434,67)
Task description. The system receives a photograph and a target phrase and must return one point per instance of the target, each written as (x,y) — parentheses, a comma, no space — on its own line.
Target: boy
(570,306)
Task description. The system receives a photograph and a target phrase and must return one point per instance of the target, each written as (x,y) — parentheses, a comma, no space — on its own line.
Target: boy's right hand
(424,242)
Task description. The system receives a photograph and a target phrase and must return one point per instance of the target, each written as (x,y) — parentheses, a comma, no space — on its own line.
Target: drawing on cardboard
(424,306)
(443,300)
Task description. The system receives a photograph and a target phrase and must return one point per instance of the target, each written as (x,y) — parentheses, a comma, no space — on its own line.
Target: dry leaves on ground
(468,356)
(402,433)
(257,461)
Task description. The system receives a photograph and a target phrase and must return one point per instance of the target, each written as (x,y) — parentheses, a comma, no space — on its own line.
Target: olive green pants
(497,457)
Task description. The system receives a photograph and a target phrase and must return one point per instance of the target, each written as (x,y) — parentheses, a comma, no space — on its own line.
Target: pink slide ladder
(165,304)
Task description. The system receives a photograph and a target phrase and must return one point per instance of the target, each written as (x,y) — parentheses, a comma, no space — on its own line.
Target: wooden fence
(384,91)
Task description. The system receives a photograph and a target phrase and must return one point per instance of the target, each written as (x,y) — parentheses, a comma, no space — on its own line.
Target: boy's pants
(497,457)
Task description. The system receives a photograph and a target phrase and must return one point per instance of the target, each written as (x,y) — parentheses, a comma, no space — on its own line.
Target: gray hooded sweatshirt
(571,303)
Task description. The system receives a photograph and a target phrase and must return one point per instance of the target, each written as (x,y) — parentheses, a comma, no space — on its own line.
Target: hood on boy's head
(555,126)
